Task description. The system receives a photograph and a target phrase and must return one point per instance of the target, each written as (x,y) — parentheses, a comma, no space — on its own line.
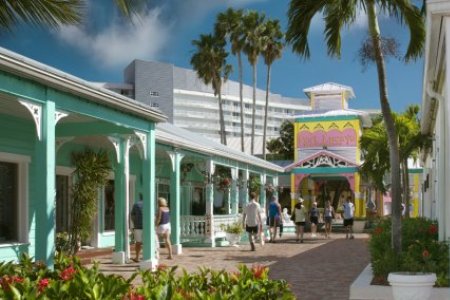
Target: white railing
(199,227)
(194,226)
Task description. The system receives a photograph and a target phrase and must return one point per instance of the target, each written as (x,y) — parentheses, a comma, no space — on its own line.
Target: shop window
(62,203)
(13,198)
(8,202)
(109,206)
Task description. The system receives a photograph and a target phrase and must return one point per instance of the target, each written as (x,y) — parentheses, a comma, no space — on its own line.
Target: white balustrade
(195,227)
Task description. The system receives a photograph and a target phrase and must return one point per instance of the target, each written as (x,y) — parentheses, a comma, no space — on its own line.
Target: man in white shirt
(252,219)
(349,211)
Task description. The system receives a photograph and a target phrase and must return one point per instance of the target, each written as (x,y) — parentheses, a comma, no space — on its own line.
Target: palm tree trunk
(394,156)
(253,110)
(223,137)
(266,107)
(406,186)
(241,98)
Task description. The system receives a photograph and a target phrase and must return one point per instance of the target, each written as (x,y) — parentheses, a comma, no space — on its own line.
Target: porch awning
(167,133)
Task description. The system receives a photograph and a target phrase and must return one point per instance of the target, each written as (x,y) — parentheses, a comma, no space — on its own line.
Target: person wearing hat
(299,214)
(162,224)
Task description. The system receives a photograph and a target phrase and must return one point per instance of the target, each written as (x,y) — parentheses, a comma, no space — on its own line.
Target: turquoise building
(46,115)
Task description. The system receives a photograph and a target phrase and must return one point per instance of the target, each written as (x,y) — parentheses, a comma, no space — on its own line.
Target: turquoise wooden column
(121,192)
(262,191)
(275,185)
(44,181)
(246,187)
(234,191)
(149,194)
(209,191)
(175,205)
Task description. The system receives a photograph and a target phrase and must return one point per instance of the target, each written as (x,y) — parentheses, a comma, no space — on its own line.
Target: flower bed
(69,280)
(422,252)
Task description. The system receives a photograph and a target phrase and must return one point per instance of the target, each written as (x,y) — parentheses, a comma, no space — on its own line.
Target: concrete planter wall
(361,289)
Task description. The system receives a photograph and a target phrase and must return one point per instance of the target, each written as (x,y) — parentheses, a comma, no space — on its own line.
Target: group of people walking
(253,223)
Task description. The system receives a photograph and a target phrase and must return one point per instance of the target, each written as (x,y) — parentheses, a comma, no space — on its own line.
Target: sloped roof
(329,88)
(52,77)
(167,133)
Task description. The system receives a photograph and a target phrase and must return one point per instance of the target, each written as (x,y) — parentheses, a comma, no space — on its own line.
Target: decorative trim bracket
(36,113)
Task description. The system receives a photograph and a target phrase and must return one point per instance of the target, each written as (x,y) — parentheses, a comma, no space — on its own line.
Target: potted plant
(359,223)
(422,264)
(233,232)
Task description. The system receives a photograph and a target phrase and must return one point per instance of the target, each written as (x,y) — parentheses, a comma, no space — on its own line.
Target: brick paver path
(317,269)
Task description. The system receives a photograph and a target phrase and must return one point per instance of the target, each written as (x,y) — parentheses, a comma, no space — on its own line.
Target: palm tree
(209,61)
(229,24)
(253,31)
(53,13)
(342,13)
(374,147)
(272,50)
(411,142)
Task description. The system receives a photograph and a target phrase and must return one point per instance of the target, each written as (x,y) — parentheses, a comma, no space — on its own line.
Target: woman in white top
(299,217)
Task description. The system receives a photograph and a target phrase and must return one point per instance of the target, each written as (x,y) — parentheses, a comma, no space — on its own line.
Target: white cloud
(118,44)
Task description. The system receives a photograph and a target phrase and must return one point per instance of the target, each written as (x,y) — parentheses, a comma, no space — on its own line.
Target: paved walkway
(316,269)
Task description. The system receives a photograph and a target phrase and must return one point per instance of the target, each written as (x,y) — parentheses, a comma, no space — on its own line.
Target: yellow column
(360,207)
(293,190)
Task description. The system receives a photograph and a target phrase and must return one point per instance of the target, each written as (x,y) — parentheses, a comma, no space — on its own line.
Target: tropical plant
(375,150)
(91,172)
(69,280)
(229,24)
(272,50)
(235,228)
(254,183)
(339,14)
(374,146)
(254,27)
(283,145)
(209,61)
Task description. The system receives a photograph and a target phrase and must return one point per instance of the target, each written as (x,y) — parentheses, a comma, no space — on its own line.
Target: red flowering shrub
(422,252)
(70,280)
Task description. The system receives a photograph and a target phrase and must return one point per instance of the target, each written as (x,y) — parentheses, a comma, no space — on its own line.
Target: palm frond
(300,15)
(407,13)
(337,14)
(53,13)
(130,7)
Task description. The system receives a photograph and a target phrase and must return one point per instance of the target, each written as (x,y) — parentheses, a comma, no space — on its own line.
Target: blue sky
(101,48)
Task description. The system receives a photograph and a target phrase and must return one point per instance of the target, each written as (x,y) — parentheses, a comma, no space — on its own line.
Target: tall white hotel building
(190,104)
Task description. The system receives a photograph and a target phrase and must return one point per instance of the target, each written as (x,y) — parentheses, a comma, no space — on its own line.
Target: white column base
(151,264)
(118,258)
(177,249)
